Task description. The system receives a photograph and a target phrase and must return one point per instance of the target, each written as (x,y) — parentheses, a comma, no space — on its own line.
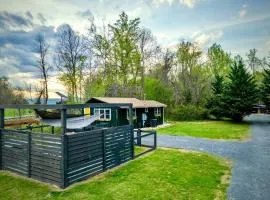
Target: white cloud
(166,39)
(203,39)
(189,3)
(243,11)
(142,12)
(159,2)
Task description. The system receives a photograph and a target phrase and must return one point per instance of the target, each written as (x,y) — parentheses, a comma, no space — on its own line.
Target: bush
(187,112)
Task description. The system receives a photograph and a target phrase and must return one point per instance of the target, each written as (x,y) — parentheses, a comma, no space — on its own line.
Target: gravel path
(251,159)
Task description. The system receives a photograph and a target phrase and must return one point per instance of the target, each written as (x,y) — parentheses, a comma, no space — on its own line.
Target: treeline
(9,94)
(123,59)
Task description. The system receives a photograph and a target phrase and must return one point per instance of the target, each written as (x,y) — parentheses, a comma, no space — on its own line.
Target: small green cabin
(146,113)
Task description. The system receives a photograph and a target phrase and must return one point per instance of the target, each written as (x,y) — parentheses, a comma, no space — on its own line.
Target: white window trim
(157,111)
(134,113)
(103,117)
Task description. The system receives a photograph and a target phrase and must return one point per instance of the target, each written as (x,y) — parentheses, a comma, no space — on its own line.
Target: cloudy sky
(238,25)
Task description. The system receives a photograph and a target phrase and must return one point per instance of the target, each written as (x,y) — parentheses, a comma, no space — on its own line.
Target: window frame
(157,111)
(134,113)
(97,111)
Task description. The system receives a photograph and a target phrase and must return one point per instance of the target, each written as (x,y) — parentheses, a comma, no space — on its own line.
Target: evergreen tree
(265,88)
(240,93)
(215,103)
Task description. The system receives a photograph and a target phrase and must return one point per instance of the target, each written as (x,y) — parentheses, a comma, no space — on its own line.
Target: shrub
(187,112)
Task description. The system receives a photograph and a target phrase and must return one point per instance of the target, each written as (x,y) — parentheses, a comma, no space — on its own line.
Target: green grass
(46,129)
(163,174)
(16,113)
(138,150)
(208,129)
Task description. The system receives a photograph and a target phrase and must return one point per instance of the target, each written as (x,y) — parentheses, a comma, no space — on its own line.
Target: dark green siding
(112,122)
(119,117)
(122,117)
(150,116)
(138,123)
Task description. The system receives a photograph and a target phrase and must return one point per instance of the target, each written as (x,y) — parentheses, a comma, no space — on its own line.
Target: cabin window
(146,110)
(104,114)
(157,111)
(134,114)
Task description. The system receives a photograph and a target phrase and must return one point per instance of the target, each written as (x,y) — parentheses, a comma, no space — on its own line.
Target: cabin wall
(151,115)
(122,117)
(119,117)
(112,123)
(138,123)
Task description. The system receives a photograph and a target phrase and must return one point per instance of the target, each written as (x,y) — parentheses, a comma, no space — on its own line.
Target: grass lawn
(162,174)
(139,150)
(16,113)
(208,129)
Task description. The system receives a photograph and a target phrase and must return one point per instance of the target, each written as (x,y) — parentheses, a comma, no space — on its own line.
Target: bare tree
(148,49)
(99,44)
(266,61)
(70,58)
(253,61)
(43,65)
(168,62)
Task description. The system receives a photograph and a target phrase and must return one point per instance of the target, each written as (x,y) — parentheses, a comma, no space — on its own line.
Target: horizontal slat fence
(92,152)
(46,158)
(63,160)
(84,155)
(15,152)
(118,146)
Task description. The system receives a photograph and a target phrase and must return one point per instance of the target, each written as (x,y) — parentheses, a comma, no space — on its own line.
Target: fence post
(103,150)
(29,153)
(52,129)
(64,161)
(139,137)
(2,124)
(64,120)
(155,139)
(132,141)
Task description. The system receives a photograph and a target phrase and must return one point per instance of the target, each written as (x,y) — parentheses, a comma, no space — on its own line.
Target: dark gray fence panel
(15,151)
(46,158)
(117,146)
(63,160)
(85,155)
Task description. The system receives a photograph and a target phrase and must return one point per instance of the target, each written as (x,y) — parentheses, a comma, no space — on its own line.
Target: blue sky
(238,25)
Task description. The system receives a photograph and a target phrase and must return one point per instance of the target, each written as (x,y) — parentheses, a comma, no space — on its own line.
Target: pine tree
(215,103)
(265,88)
(240,93)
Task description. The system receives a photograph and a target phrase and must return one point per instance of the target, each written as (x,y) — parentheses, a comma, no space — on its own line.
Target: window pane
(107,112)
(108,117)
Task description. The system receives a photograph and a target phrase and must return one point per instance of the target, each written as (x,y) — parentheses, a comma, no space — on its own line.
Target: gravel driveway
(251,159)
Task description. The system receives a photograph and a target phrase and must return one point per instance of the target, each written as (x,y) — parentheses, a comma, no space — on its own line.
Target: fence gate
(15,152)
